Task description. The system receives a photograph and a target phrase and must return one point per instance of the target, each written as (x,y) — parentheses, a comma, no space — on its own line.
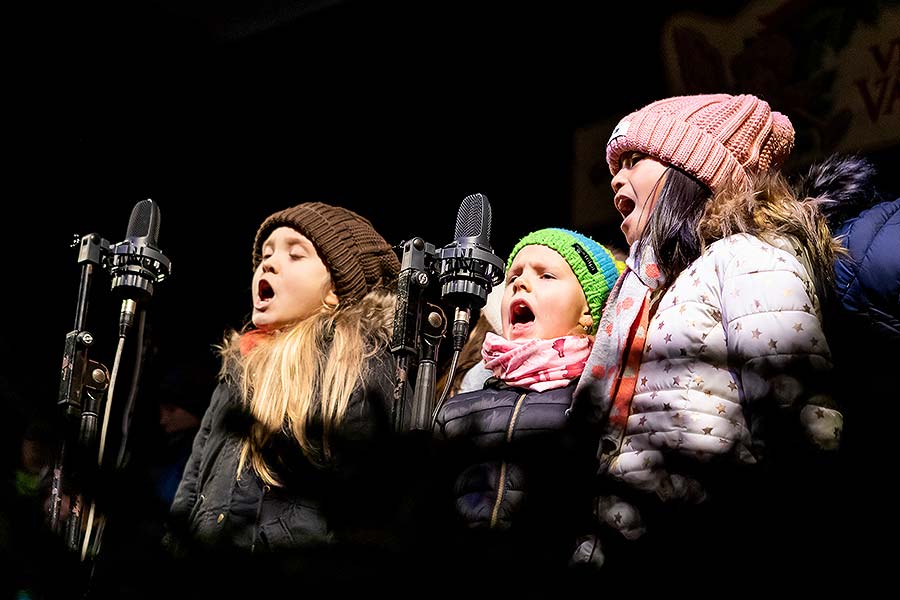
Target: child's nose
(269,264)
(522,282)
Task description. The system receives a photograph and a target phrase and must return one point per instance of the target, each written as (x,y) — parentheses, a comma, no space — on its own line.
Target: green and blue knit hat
(593,264)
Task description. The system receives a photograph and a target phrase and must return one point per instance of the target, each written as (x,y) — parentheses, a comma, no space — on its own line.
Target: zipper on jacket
(265,490)
(501,480)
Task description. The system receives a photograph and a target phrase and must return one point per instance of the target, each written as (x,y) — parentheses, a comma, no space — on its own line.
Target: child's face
(543,299)
(291,282)
(636,187)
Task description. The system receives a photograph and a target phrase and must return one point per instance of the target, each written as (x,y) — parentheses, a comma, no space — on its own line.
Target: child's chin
(262,322)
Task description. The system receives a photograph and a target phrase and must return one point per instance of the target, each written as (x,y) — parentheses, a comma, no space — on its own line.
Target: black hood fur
(843,183)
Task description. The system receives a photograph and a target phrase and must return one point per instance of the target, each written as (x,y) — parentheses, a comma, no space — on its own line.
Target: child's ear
(331,298)
(586,320)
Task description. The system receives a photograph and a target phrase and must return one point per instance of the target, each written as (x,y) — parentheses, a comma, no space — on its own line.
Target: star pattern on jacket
(758,290)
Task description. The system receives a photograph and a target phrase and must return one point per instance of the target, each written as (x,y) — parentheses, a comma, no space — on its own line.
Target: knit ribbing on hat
(357,257)
(593,264)
(717,138)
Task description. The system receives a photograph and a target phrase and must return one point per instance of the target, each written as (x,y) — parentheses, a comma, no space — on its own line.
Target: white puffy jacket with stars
(737,335)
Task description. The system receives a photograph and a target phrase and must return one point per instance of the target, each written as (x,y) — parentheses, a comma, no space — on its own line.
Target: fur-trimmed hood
(771,208)
(843,184)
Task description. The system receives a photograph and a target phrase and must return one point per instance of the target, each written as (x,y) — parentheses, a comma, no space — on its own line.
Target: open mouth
(520,314)
(264,290)
(624,205)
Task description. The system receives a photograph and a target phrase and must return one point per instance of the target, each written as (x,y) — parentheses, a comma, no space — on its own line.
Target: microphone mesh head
(474,217)
(144,222)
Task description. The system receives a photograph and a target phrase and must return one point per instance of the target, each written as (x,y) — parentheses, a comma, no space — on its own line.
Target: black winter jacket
(351,521)
(521,470)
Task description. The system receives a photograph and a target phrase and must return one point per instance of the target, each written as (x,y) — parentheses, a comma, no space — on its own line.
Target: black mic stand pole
(433,330)
(83,383)
(412,282)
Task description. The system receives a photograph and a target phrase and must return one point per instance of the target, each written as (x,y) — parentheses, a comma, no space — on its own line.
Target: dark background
(223,112)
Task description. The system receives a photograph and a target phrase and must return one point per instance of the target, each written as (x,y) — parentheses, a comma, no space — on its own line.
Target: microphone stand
(464,271)
(83,385)
(413,282)
(423,398)
(87,387)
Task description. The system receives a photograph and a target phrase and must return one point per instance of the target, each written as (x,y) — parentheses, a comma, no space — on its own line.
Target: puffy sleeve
(775,341)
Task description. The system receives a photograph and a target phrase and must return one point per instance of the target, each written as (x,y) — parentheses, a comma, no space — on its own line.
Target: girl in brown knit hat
(710,355)
(294,464)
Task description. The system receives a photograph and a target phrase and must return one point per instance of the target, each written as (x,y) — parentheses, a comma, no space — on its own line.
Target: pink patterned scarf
(619,326)
(538,365)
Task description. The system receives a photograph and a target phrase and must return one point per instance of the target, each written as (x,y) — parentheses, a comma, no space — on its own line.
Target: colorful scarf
(608,381)
(251,338)
(537,365)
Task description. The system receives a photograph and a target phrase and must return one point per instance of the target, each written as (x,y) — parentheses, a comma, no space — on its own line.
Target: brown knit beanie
(710,136)
(358,258)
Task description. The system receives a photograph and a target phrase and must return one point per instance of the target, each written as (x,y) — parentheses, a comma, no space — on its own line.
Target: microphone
(137,263)
(468,267)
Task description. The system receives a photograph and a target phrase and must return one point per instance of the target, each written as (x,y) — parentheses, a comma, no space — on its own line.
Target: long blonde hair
(304,375)
(771,208)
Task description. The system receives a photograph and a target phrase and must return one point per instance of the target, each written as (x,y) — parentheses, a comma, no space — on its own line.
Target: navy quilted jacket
(868,281)
(521,471)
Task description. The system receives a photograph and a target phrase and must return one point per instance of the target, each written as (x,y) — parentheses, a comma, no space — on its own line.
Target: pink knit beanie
(711,136)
